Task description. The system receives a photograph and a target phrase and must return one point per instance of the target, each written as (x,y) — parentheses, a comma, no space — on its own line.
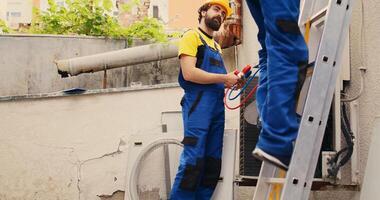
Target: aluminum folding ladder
(334,21)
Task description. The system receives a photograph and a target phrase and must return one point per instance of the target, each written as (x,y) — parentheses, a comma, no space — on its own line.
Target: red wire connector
(243,72)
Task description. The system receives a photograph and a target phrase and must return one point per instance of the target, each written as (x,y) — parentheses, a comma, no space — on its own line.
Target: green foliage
(127,7)
(93,18)
(147,29)
(83,17)
(4,27)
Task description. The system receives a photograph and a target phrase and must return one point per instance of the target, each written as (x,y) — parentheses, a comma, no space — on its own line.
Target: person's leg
(196,122)
(213,152)
(287,53)
(255,9)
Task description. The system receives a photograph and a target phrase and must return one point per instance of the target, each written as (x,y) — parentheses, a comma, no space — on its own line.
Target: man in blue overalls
(203,77)
(282,61)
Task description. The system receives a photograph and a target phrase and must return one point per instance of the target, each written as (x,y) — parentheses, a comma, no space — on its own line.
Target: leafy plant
(4,28)
(147,29)
(93,18)
(127,7)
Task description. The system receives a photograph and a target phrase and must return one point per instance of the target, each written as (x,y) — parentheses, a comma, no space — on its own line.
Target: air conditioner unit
(165,161)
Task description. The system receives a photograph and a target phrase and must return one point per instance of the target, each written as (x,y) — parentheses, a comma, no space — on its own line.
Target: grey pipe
(116,59)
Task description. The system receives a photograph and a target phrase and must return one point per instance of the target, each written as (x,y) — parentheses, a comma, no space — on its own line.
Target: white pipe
(116,59)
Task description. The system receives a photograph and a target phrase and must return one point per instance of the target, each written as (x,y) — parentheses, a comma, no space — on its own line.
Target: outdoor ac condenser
(161,166)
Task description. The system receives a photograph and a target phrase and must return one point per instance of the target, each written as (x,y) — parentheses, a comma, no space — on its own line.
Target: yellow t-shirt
(190,42)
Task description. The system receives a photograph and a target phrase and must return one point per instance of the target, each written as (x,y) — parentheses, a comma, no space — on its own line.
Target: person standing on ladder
(203,77)
(282,61)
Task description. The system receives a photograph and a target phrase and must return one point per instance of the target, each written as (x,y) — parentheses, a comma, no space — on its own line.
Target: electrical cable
(242,102)
(362,69)
(362,72)
(344,155)
(243,88)
(250,94)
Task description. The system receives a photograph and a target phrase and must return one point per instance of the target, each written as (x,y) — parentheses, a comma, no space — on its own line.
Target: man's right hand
(230,80)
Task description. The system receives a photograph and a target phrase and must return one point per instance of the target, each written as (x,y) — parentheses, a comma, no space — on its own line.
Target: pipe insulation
(117,59)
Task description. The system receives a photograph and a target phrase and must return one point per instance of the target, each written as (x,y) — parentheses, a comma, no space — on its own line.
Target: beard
(213,23)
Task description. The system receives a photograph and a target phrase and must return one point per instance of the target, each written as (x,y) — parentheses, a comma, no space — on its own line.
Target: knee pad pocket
(191,176)
(288,26)
(212,171)
(190,141)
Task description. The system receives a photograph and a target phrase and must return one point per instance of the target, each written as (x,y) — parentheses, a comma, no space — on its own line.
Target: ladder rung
(274,180)
(318,17)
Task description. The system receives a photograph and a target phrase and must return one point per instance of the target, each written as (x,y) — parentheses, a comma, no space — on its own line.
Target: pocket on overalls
(216,63)
(195,103)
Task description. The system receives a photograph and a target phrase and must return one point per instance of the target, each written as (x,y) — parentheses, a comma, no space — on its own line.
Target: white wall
(247,51)
(163,9)
(20,11)
(365,45)
(370,185)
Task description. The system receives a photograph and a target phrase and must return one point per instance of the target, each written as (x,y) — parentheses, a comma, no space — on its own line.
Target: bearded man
(203,78)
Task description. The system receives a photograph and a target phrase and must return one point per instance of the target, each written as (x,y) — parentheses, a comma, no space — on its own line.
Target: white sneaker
(281,162)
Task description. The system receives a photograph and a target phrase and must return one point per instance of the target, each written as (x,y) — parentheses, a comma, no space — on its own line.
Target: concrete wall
(28,64)
(372,176)
(75,147)
(56,146)
(365,45)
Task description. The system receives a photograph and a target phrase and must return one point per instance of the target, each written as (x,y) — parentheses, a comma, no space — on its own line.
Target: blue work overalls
(203,118)
(282,61)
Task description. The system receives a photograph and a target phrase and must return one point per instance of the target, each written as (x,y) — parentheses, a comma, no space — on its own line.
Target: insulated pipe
(116,59)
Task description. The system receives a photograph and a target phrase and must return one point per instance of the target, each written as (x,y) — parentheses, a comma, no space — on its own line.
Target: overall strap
(205,43)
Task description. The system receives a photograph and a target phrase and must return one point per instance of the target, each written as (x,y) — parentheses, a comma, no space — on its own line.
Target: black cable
(344,155)
(348,135)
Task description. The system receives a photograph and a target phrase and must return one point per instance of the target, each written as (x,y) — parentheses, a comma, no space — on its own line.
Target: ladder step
(274,180)
(318,18)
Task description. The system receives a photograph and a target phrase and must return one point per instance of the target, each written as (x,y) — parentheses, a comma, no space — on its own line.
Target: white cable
(362,72)
(362,69)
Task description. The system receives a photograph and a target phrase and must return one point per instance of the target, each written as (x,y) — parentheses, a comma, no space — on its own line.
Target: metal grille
(250,166)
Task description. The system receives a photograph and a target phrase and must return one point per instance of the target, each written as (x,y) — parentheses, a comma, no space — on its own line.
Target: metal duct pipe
(116,59)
